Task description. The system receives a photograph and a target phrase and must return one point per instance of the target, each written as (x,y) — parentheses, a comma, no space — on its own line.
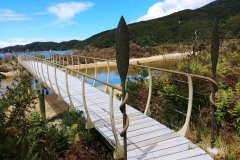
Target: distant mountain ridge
(176,28)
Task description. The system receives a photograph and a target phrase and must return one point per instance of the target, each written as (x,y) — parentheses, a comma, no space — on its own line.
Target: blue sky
(26,21)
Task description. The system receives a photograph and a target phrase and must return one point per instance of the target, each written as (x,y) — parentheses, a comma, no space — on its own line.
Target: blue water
(7,54)
(44,53)
(114,78)
(48,53)
(102,71)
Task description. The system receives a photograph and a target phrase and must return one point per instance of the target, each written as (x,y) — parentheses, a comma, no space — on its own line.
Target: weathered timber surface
(147,138)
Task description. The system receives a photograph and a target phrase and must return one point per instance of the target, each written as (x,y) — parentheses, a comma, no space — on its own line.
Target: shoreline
(8,74)
(134,61)
(103,88)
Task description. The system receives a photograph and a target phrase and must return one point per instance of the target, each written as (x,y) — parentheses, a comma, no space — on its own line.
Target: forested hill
(176,28)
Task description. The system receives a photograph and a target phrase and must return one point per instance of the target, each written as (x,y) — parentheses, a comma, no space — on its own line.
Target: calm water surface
(114,76)
(4,84)
(102,71)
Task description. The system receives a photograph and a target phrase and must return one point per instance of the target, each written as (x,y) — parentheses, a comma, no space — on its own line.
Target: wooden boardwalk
(146,138)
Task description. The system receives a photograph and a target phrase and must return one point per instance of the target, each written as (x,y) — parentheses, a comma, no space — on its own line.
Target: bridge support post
(25,72)
(40,92)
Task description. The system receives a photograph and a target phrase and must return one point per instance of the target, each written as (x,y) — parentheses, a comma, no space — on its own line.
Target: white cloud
(7,44)
(167,7)
(8,15)
(66,11)
(23,41)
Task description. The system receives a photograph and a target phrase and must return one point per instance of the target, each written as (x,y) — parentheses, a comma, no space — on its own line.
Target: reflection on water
(114,77)
(102,73)
(4,84)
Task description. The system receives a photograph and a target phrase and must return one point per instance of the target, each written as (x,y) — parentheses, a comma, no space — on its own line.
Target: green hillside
(172,29)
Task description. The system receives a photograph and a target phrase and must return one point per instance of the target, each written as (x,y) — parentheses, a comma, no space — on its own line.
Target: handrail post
(147,109)
(30,64)
(59,60)
(45,82)
(78,67)
(51,87)
(108,77)
(40,78)
(67,60)
(71,108)
(94,82)
(63,59)
(59,93)
(85,79)
(72,65)
(185,131)
(35,68)
(89,123)
(118,152)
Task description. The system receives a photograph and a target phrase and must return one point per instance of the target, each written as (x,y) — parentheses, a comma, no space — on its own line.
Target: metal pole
(40,92)
(214,58)
(122,57)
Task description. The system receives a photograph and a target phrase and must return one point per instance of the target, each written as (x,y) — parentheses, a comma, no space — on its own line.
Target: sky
(26,21)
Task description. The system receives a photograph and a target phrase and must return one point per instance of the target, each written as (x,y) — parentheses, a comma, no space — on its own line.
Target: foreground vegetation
(49,142)
(27,135)
(169,90)
(169,30)
(8,63)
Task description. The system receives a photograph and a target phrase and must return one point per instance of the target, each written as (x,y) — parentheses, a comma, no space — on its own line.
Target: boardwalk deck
(146,138)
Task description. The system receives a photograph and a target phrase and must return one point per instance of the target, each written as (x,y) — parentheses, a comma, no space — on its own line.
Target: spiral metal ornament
(127,119)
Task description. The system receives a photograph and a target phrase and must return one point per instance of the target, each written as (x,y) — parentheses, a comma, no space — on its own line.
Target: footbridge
(146,138)
(131,133)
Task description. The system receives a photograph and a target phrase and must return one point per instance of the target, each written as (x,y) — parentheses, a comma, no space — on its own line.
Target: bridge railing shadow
(78,62)
(74,64)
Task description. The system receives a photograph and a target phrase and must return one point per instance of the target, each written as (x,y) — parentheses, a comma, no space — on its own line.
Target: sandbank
(103,88)
(172,56)
(8,74)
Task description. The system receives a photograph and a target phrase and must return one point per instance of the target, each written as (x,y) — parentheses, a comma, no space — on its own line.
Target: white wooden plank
(147,139)
(174,148)
(181,155)
(153,140)
(200,157)
(108,133)
(158,146)
(143,131)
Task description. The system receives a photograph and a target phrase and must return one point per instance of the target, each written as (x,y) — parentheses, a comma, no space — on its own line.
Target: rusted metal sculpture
(195,43)
(214,58)
(122,57)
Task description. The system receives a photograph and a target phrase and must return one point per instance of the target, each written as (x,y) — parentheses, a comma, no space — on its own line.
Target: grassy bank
(165,100)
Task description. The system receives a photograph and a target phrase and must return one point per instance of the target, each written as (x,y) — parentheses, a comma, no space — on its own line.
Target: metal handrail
(56,64)
(59,93)
(185,128)
(150,69)
(71,108)
(118,152)
(45,82)
(88,76)
(147,108)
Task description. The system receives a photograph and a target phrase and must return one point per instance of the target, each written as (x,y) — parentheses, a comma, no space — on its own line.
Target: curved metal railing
(184,131)
(35,67)
(62,62)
